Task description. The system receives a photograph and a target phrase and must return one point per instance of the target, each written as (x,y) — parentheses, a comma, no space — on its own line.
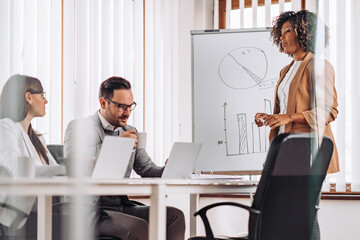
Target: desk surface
(157,188)
(68,186)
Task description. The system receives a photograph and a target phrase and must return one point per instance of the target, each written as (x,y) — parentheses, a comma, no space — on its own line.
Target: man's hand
(130,134)
(94,159)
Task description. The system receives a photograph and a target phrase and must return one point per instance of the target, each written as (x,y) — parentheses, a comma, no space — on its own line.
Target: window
(341,20)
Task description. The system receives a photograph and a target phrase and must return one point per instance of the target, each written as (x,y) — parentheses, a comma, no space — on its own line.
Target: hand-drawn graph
(244,68)
(256,142)
(241,71)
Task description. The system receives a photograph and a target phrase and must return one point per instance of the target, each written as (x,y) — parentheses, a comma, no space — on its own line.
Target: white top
(283,90)
(15,143)
(16,147)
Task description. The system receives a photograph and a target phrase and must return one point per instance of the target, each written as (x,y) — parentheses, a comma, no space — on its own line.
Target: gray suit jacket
(87,136)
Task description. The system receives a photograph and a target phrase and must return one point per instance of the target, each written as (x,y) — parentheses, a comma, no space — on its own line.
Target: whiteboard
(234,77)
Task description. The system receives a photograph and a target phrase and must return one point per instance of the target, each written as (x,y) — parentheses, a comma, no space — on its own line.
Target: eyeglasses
(123,107)
(43,94)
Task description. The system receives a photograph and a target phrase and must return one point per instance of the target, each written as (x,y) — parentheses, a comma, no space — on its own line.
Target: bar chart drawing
(243,141)
(255,142)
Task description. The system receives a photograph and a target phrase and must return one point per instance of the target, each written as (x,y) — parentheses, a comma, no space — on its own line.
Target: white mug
(141,139)
(26,167)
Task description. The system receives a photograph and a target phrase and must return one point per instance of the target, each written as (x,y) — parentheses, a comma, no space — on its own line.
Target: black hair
(108,86)
(303,25)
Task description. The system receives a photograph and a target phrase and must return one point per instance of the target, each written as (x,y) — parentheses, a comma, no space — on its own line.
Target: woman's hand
(260,118)
(277,120)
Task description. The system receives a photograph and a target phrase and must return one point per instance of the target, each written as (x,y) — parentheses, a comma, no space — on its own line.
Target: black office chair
(12,232)
(284,205)
(57,151)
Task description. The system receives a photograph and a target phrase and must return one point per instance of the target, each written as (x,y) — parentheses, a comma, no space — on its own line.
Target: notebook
(182,160)
(113,158)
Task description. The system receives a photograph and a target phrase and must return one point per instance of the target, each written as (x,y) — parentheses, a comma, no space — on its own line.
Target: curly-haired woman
(305,95)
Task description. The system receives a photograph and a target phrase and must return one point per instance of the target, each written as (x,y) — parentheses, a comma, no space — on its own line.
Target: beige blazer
(315,98)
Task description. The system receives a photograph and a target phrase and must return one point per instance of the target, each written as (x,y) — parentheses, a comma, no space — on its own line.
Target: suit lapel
(98,126)
(29,146)
(294,86)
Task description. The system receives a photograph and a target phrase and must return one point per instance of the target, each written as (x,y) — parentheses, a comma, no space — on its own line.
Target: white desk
(156,188)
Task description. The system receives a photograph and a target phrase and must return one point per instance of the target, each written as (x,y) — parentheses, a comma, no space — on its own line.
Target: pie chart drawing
(243,68)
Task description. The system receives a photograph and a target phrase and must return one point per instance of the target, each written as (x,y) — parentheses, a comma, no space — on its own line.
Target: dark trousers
(131,223)
(122,219)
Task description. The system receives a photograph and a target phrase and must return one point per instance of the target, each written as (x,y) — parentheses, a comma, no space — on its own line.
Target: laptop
(113,158)
(182,160)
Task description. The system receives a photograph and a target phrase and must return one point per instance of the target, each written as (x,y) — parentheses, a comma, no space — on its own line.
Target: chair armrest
(20,215)
(15,209)
(205,209)
(202,214)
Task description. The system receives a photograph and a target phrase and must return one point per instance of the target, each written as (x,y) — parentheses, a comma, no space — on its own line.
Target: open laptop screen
(182,160)
(113,158)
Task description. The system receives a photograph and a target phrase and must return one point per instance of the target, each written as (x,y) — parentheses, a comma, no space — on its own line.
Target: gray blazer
(88,134)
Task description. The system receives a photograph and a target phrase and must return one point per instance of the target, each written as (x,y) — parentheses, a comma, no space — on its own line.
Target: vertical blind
(342,19)
(101,39)
(30,44)
(168,70)
(72,46)
(355,96)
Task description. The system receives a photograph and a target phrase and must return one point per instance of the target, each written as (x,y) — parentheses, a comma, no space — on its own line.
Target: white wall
(339,219)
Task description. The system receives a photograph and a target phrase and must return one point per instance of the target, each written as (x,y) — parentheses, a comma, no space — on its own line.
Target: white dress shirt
(106,125)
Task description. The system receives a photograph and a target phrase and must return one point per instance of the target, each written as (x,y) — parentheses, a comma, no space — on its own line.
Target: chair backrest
(57,151)
(14,217)
(289,187)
